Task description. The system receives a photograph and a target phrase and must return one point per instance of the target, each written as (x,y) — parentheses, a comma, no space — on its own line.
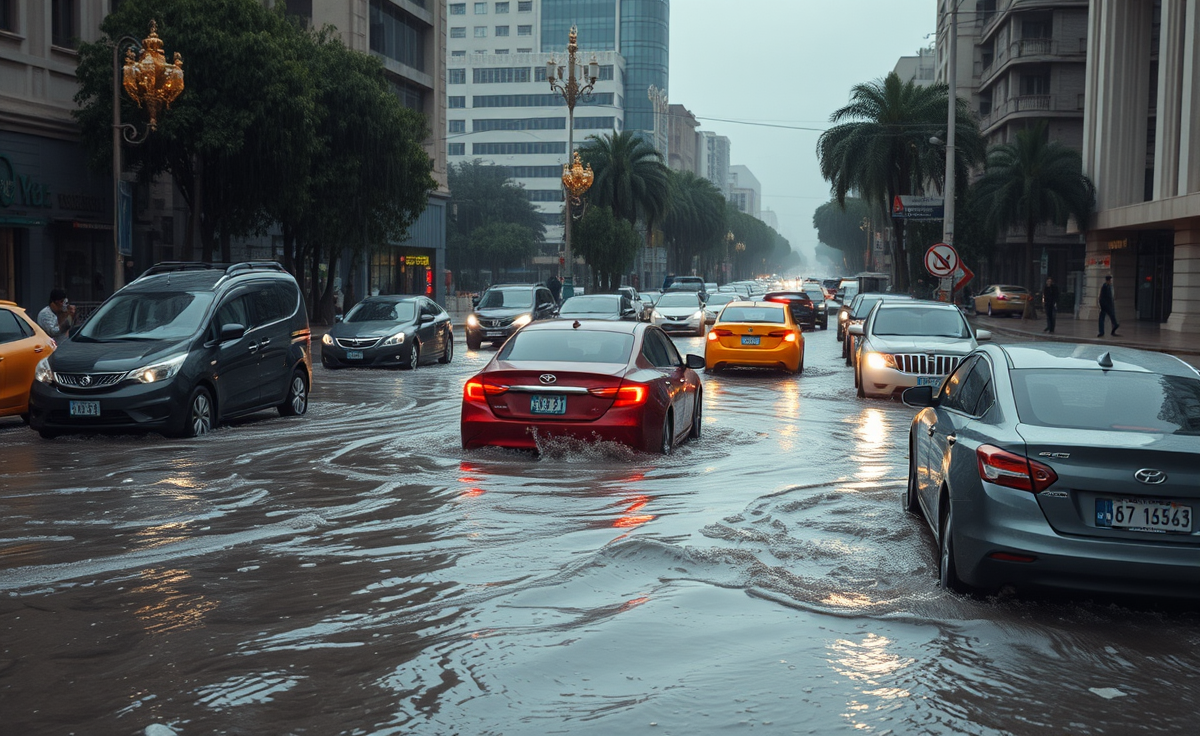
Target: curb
(1036,336)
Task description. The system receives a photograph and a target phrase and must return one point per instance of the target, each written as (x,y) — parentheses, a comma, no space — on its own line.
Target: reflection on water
(172,606)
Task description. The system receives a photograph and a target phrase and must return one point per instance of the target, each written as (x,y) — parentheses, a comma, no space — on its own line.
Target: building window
(458,53)
(525,6)
(539,74)
(501,8)
(458,32)
(500,75)
(544,195)
(601,123)
(529,51)
(480,31)
(524,30)
(458,8)
(488,125)
(458,126)
(553,100)
(456,101)
(480,8)
(501,52)
(64,23)
(397,35)
(606,72)
(456,149)
(501,30)
(456,76)
(8,19)
(533,172)
(410,95)
(522,148)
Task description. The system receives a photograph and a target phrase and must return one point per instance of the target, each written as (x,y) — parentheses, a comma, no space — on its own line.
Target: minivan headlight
(523,320)
(157,372)
(396,339)
(43,373)
(843,316)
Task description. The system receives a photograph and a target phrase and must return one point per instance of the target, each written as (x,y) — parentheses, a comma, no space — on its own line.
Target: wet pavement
(355,572)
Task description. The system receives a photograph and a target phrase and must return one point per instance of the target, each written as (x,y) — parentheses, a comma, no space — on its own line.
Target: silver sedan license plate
(1143,515)
(548,404)
(85,408)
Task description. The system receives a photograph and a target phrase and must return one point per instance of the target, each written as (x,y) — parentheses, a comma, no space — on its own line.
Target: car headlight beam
(43,373)
(523,320)
(326,339)
(396,339)
(161,371)
(879,361)
(472,320)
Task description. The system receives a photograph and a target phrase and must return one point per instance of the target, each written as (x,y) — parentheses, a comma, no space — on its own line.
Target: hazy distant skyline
(786,63)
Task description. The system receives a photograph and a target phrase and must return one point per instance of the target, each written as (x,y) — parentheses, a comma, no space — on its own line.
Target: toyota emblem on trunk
(547,378)
(1150,476)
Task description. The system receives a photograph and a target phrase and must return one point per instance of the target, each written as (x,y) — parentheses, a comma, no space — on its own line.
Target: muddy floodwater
(355,571)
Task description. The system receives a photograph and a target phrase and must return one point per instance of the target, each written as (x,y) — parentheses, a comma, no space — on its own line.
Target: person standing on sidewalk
(1108,306)
(555,284)
(1050,304)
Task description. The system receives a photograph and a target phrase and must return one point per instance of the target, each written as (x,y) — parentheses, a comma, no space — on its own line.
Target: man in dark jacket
(554,284)
(1050,304)
(1108,306)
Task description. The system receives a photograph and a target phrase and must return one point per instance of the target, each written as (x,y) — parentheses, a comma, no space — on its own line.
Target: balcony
(1034,49)
(1032,106)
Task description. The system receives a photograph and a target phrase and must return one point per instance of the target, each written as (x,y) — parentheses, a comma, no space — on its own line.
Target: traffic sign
(966,276)
(941,260)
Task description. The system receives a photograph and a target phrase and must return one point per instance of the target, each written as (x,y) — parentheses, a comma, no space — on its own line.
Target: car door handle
(254,347)
(932,428)
(951,439)
(38,348)
(265,342)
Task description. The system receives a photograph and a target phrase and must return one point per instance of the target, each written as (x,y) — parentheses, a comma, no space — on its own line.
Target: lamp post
(152,83)
(740,248)
(576,178)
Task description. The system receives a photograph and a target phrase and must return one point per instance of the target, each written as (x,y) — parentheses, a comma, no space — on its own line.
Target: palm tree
(880,146)
(1031,181)
(631,178)
(695,221)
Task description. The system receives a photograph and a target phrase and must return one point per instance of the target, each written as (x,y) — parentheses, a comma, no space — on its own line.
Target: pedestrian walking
(56,317)
(555,284)
(1108,306)
(1050,304)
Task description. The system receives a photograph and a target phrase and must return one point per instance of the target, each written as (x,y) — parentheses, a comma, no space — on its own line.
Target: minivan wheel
(296,402)
(448,353)
(199,419)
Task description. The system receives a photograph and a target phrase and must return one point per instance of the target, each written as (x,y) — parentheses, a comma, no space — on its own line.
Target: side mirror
(918,397)
(337,318)
(856,330)
(474,301)
(695,362)
(426,318)
(232,331)
(983,335)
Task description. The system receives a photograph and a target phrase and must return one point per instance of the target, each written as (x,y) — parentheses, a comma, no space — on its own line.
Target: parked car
(1061,466)
(820,303)
(505,308)
(389,331)
(1001,299)
(689,283)
(182,348)
(844,298)
(679,311)
(756,335)
(910,343)
(804,312)
(23,344)
(610,307)
(618,381)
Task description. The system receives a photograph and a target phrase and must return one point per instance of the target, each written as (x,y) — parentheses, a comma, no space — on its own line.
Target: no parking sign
(941,260)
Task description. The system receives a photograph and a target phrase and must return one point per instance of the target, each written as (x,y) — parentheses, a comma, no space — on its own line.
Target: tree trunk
(1030,309)
(315,282)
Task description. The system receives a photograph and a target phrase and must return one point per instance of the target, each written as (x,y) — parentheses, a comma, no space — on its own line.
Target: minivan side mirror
(232,331)
(474,301)
(337,318)
(918,397)
(695,362)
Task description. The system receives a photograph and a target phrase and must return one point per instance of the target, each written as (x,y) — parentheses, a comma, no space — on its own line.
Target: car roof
(196,276)
(393,298)
(1076,356)
(569,325)
(756,303)
(909,303)
(513,286)
(609,295)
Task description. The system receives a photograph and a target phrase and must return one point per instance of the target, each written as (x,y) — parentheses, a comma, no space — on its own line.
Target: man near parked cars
(1108,307)
(1050,304)
(554,284)
(56,318)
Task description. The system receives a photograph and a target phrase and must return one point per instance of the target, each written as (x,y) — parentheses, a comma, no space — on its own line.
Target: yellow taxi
(22,345)
(755,334)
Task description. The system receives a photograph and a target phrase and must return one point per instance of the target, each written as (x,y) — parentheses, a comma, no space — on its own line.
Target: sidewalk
(1139,335)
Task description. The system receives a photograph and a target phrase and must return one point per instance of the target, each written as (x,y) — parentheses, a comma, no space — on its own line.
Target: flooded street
(355,571)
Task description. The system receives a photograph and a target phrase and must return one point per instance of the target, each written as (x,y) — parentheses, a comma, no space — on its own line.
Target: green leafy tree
(482,194)
(630,177)
(608,244)
(879,146)
(1031,181)
(499,245)
(839,226)
(695,223)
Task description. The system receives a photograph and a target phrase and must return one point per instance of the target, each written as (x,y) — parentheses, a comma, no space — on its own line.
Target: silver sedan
(1064,466)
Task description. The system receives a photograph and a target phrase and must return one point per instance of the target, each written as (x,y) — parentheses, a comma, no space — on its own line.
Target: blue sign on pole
(125,218)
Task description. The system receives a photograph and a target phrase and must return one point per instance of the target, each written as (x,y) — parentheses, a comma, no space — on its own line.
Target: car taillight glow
(623,396)
(1013,471)
(720,332)
(1002,297)
(478,390)
(787,335)
(712,335)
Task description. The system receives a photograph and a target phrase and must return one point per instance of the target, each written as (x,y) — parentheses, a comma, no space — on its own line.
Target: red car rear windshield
(1108,400)
(575,346)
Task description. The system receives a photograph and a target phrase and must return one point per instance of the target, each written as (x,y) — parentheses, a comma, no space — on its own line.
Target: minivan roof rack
(172,266)
(254,266)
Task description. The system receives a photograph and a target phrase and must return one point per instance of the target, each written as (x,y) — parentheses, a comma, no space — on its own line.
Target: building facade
(1141,146)
(920,69)
(745,191)
(712,160)
(683,146)
(56,215)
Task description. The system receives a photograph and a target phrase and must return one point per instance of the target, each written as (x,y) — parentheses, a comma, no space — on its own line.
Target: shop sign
(22,190)
(1118,244)
(416,260)
(1103,262)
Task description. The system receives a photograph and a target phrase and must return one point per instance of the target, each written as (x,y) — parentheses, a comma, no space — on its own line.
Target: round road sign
(941,260)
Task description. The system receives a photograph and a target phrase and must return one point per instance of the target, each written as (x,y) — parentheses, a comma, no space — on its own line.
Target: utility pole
(951,120)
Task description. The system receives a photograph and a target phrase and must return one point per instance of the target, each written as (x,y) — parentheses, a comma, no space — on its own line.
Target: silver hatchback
(1064,466)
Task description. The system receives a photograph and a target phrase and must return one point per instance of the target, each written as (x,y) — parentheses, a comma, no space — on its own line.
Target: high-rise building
(745,191)
(712,160)
(920,69)
(1141,147)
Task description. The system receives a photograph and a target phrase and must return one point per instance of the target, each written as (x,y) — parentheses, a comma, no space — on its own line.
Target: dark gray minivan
(180,349)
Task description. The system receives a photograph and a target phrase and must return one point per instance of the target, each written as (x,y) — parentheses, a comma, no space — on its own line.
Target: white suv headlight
(43,373)
(396,339)
(158,371)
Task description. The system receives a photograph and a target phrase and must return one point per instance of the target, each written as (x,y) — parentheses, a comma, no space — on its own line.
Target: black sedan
(1065,466)
(804,312)
(390,331)
(610,307)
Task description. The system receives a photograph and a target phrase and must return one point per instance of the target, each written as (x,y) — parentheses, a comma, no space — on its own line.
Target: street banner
(906,207)
(941,260)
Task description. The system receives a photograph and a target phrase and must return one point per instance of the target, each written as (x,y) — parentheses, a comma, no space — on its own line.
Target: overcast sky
(786,62)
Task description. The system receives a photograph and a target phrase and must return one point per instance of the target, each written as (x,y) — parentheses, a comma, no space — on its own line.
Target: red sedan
(623,382)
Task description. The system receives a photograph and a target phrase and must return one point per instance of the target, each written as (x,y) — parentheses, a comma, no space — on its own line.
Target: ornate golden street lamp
(566,82)
(153,84)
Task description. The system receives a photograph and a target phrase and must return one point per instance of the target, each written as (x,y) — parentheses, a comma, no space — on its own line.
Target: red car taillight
(1014,471)
(787,335)
(1002,297)
(478,390)
(623,396)
(719,332)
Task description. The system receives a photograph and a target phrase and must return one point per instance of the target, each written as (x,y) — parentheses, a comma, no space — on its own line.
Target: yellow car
(22,345)
(755,334)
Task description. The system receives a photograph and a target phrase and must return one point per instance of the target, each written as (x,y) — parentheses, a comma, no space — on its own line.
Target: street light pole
(574,179)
